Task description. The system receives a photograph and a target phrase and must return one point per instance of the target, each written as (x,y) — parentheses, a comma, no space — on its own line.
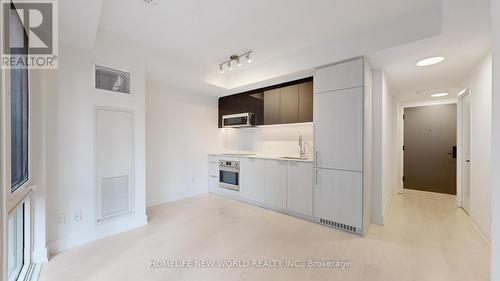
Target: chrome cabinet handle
(317,158)
(316,177)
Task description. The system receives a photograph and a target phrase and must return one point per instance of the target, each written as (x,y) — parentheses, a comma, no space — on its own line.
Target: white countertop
(260,156)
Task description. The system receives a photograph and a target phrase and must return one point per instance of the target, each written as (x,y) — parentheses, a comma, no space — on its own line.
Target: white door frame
(460,162)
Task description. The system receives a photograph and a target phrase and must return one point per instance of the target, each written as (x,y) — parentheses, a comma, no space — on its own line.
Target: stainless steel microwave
(239,120)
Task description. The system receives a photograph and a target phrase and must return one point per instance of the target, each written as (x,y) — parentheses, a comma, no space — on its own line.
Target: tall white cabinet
(342,130)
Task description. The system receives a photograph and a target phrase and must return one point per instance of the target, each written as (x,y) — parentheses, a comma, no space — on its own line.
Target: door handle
(316,158)
(453,152)
(316,177)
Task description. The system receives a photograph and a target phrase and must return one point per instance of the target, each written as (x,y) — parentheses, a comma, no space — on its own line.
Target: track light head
(236,59)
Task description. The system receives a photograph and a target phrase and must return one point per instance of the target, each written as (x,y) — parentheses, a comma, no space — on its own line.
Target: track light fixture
(236,59)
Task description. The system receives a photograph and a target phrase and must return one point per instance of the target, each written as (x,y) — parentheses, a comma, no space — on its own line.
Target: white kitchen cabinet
(252,179)
(338,197)
(339,76)
(275,184)
(338,129)
(213,169)
(300,187)
(213,173)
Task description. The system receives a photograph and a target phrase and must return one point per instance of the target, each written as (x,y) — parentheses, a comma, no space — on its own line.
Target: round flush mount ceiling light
(152,2)
(439,95)
(430,61)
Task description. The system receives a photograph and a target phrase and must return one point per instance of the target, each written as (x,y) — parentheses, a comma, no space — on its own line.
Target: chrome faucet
(302,148)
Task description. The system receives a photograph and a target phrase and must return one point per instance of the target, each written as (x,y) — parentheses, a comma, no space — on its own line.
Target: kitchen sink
(238,154)
(295,158)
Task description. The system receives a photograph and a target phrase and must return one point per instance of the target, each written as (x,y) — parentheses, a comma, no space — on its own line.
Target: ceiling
(187,39)
(464,39)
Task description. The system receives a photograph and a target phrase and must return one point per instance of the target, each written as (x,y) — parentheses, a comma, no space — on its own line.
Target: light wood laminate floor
(425,237)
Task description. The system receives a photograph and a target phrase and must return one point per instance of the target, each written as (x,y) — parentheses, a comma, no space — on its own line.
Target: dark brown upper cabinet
(306,102)
(286,103)
(272,107)
(289,104)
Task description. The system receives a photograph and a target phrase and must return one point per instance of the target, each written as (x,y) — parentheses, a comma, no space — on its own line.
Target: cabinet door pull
(316,177)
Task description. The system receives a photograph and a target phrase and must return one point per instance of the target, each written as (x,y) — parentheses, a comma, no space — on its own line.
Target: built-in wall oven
(229,174)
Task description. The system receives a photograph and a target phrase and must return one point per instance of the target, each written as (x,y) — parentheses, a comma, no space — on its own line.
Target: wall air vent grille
(112,80)
(338,225)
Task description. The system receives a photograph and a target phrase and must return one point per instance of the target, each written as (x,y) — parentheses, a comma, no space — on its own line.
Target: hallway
(425,237)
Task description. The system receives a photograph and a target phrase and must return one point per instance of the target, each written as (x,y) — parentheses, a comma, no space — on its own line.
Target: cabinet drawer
(213,159)
(213,169)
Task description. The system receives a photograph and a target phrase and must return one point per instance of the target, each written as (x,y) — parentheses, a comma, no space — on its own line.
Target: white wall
(480,81)
(71,103)
(280,140)
(384,143)
(181,130)
(495,167)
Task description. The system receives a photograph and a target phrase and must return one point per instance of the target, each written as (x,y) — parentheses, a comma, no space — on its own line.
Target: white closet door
(114,162)
(338,129)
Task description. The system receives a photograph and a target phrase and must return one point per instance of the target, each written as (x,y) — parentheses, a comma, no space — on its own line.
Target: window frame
(22,195)
(16,197)
(27,239)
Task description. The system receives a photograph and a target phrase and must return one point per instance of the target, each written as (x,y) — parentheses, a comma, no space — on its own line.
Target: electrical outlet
(77,215)
(61,218)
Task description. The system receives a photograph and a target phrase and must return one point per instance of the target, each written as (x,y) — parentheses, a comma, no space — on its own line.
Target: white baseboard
(380,218)
(99,232)
(485,234)
(41,255)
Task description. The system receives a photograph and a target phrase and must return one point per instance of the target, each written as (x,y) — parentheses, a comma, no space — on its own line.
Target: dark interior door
(430,134)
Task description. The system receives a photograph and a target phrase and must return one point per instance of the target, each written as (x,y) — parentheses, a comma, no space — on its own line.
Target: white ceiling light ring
(430,61)
(438,95)
(152,2)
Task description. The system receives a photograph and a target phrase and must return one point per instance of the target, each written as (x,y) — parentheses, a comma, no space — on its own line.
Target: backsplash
(279,140)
